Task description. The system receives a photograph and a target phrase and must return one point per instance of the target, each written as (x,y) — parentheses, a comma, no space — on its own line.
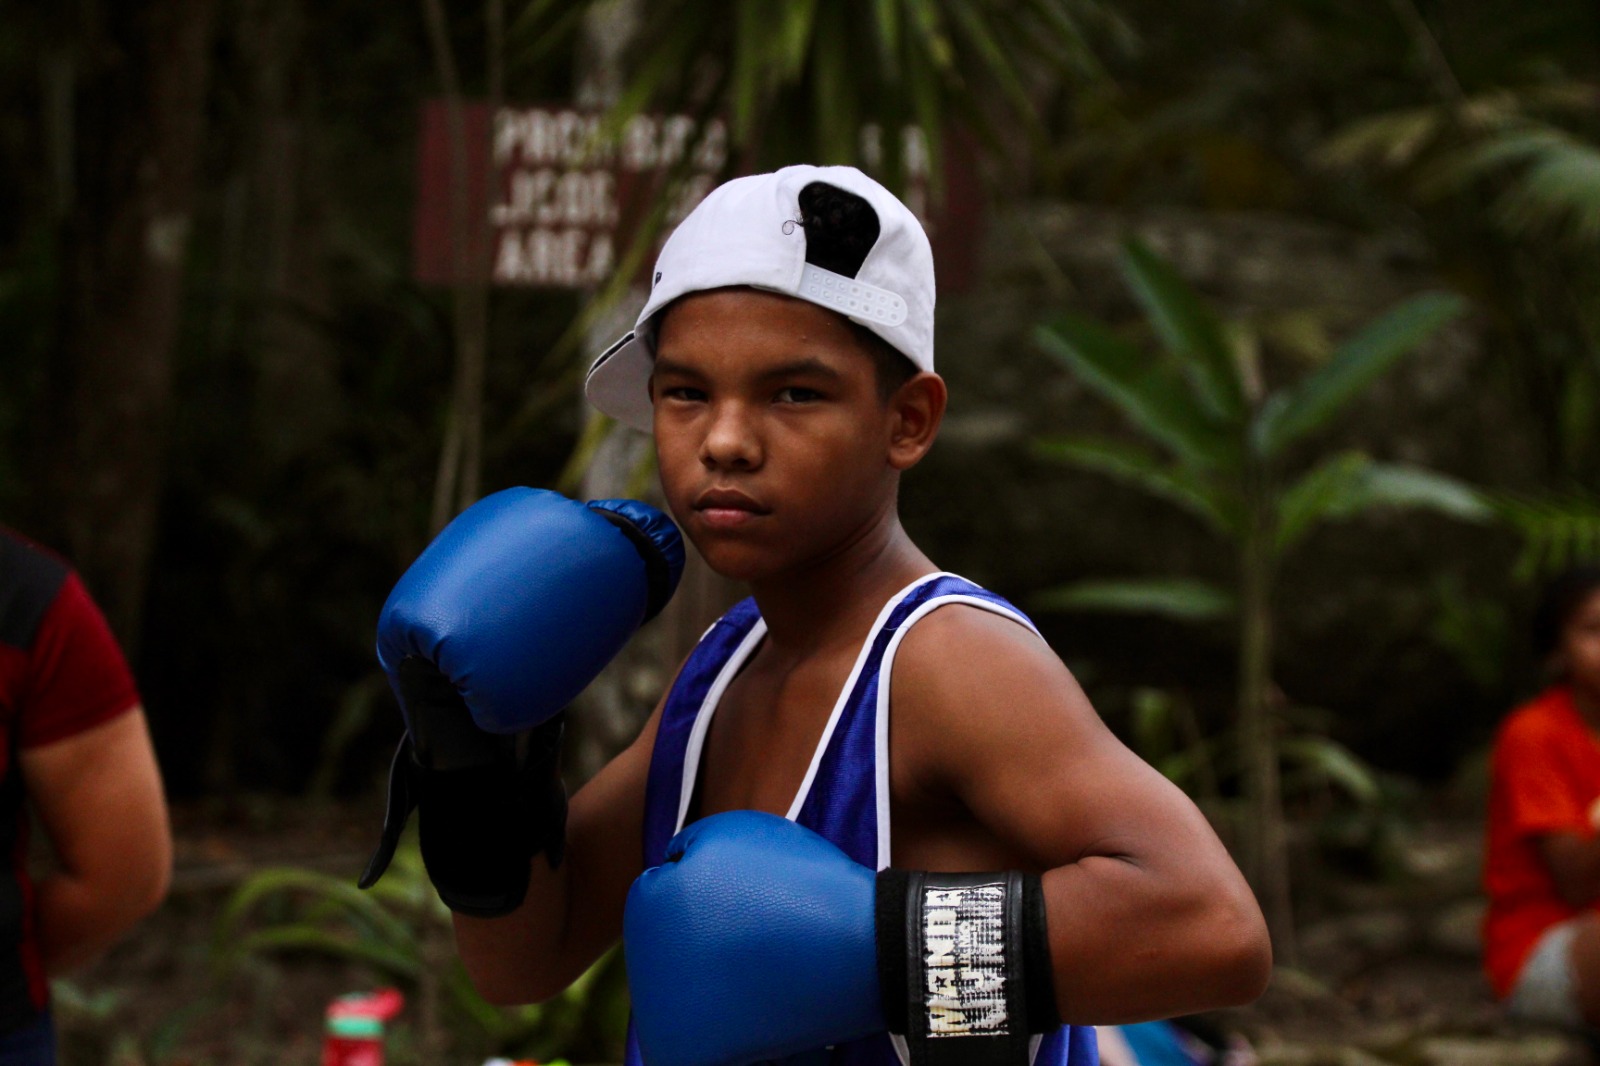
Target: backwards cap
(750,231)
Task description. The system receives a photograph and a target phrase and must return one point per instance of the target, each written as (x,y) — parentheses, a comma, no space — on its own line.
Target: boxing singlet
(845,794)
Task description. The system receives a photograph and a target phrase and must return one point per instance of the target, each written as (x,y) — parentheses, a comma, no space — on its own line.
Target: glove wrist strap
(964,965)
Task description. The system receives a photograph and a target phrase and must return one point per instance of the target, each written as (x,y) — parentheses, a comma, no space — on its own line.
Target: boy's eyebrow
(663,364)
(794,368)
(798,367)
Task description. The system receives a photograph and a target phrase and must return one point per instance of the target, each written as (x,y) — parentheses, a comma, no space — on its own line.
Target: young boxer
(874,819)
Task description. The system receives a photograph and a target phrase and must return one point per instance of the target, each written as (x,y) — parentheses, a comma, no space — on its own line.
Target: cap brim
(619,383)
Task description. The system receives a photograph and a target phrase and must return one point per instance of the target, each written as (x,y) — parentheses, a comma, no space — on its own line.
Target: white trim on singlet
(849,687)
(880,760)
(702,717)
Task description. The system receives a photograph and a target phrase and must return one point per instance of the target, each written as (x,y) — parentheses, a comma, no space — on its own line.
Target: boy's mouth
(727,508)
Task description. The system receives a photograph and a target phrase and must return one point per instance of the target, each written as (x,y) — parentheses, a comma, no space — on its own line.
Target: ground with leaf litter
(1387,971)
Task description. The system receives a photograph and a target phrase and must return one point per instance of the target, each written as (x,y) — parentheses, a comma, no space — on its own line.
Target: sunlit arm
(99,799)
(1148,916)
(1146,931)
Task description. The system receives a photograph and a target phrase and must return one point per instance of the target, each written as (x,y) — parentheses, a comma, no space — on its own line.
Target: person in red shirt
(75,754)
(1542,862)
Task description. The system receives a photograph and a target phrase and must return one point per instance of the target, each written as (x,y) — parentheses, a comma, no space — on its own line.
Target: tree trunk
(456,485)
(126,238)
(1266,846)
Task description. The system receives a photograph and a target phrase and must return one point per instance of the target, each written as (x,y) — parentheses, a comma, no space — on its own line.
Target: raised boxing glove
(757,939)
(502,620)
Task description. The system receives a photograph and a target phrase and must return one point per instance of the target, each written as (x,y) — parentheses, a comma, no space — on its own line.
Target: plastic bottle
(354,1033)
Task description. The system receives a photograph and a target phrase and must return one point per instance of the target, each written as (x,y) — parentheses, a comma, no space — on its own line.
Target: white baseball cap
(749,231)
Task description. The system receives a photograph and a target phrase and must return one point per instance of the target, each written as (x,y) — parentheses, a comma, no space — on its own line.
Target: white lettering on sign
(565,189)
(564,257)
(964,961)
(537,137)
(549,197)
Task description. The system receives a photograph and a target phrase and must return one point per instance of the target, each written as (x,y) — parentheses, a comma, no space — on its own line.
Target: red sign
(567,205)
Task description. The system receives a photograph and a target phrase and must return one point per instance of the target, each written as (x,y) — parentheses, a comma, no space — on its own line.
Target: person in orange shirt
(1542,862)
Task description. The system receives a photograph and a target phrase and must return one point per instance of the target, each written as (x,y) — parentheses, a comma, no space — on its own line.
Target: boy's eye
(686,393)
(797,394)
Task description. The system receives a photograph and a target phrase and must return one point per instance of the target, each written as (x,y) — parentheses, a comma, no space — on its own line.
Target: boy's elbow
(1241,955)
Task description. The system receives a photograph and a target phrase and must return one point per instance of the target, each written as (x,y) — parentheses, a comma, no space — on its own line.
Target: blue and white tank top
(845,793)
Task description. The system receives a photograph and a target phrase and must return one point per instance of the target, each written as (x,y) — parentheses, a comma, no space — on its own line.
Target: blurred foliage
(1232,451)
(1557,531)
(312,374)
(401,932)
(802,80)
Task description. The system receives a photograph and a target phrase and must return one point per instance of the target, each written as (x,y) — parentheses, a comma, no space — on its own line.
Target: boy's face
(775,446)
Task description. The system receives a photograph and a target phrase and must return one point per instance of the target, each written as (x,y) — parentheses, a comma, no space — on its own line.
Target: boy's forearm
(522,957)
(1131,941)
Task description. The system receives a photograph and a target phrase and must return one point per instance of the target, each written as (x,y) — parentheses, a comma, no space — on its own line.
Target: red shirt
(1544,777)
(61,673)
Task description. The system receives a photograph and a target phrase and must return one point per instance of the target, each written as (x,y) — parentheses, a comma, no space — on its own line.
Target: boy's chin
(737,563)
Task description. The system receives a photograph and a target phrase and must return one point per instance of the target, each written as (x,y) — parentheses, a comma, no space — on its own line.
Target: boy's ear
(916,409)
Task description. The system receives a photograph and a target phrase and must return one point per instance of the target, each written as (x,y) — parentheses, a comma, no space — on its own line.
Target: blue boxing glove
(758,939)
(755,940)
(509,614)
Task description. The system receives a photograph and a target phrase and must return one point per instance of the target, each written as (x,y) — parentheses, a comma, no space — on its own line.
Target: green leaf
(1402,485)
(798,37)
(1392,140)
(1351,483)
(1180,598)
(1138,468)
(1357,363)
(319,885)
(1331,489)
(298,938)
(1156,402)
(835,96)
(1335,764)
(1187,327)
(887,16)
(935,44)
(1002,67)
(749,66)
(1556,531)
(1562,186)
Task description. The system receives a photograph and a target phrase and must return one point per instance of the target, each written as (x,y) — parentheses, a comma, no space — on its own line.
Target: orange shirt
(1544,777)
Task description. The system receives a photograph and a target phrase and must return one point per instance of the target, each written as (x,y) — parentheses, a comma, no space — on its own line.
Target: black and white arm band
(964,965)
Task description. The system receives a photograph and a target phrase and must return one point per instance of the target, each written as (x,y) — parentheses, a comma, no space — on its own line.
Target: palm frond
(1156,401)
(1556,531)
(1189,329)
(1177,598)
(1137,467)
(1351,483)
(1297,411)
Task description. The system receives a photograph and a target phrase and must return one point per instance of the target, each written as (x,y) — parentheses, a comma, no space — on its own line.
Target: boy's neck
(839,596)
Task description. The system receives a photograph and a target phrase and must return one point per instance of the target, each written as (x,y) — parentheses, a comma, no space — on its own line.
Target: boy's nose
(731,441)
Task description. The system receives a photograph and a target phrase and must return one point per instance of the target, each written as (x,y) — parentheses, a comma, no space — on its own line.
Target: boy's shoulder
(973,660)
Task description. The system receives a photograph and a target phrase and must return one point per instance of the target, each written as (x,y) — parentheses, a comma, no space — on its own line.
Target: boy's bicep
(1020,744)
